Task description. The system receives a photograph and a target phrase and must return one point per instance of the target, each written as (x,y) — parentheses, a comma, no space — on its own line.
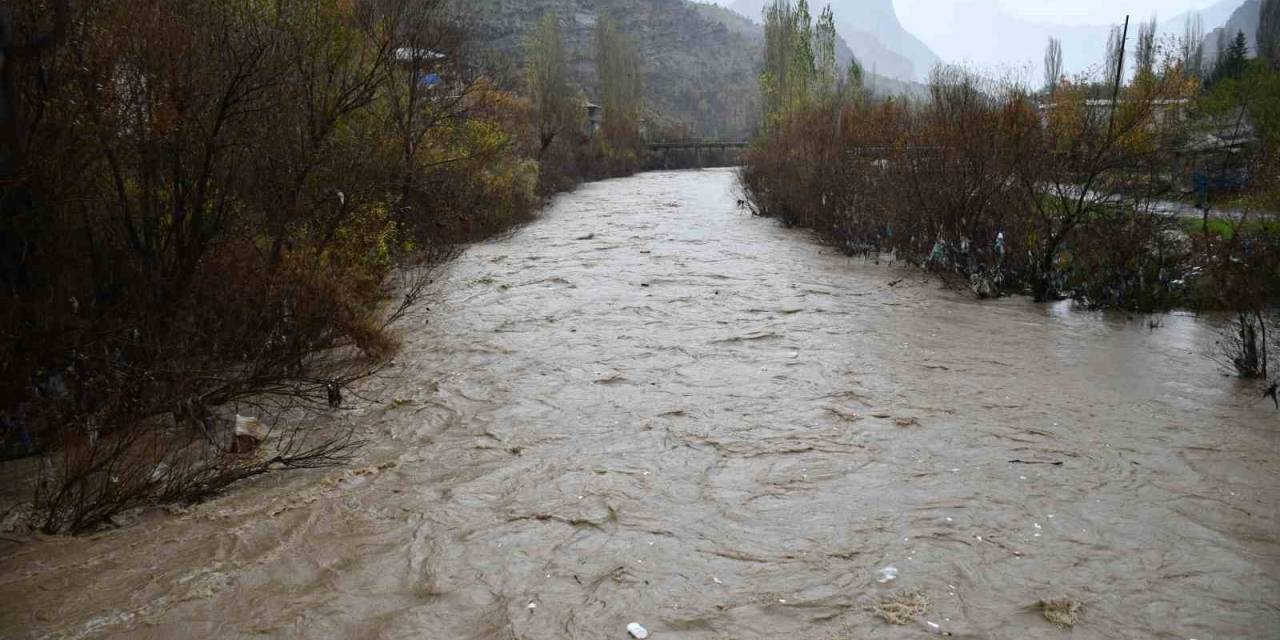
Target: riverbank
(650,406)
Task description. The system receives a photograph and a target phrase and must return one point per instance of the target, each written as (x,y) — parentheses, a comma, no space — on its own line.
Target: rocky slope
(702,61)
(1245,18)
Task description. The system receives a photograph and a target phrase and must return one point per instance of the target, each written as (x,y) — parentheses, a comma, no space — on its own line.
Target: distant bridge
(697,145)
(691,154)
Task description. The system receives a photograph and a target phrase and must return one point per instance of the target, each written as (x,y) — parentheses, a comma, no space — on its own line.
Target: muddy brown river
(650,407)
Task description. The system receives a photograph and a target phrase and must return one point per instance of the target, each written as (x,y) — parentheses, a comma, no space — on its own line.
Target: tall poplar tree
(622,84)
(824,49)
(555,104)
(1052,65)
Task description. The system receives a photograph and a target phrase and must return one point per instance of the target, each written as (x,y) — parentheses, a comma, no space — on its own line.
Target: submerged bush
(991,187)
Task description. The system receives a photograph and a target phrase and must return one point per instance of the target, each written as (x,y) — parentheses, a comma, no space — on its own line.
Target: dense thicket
(202,206)
(1068,192)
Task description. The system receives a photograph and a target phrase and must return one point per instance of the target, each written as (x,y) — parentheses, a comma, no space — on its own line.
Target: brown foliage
(211,199)
(979,182)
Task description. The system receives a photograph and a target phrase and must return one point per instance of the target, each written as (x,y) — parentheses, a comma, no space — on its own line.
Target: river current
(649,406)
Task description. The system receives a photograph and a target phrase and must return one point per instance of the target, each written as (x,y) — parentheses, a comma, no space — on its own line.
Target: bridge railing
(697,144)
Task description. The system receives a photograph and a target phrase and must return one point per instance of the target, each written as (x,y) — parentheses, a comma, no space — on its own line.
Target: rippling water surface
(649,406)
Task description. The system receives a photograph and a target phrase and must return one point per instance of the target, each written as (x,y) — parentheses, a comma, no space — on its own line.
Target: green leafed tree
(853,80)
(802,58)
(1234,60)
(799,61)
(824,49)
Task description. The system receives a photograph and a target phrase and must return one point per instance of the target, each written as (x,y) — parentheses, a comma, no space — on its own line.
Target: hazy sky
(984,32)
(988,33)
(916,14)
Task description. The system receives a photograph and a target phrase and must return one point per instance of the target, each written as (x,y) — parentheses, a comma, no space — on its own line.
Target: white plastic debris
(533,605)
(886,575)
(638,632)
(250,427)
(249,434)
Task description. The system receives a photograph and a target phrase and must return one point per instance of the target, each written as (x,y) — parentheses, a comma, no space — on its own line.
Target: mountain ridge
(1245,19)
(701,61)
(700,71)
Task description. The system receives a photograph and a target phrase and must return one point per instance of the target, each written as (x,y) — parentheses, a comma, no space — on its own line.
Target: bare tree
(1144,57)
(547,76)
(1115,49)
(1246,343)
(1052,65)
(1191,46)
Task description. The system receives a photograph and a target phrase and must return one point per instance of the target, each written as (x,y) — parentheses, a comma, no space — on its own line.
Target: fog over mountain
(988,34)
(701,62)
(1245,20)
(874,33)
(905,38)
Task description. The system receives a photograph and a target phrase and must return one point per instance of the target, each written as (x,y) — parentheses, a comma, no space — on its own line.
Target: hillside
(1245,18)
(701,63)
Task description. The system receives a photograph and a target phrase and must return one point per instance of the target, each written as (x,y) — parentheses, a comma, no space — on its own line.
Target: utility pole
(1115,93)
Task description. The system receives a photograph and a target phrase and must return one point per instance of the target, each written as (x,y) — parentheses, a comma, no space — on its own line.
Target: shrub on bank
(990,186)
(217,207)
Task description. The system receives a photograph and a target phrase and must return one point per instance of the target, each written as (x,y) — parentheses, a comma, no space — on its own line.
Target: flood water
(650,407)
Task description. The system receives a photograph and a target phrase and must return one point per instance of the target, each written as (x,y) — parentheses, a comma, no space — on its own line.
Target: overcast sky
(988,32)
(983,32)
(916,14)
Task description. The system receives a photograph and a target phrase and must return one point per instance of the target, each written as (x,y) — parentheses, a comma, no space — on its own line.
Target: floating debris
(249,433)
(638,632)
(1064,612)
(903,607)
(887,575)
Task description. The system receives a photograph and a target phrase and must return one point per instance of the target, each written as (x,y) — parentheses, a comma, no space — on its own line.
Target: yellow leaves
(483,136)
